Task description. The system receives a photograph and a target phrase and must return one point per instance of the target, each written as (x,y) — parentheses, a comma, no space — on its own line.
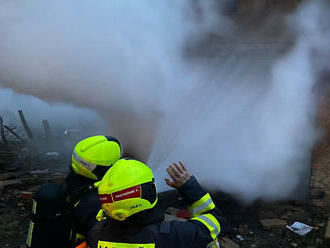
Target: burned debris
(23,168)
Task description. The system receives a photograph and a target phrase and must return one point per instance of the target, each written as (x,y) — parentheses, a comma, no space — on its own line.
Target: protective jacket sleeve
(203,227)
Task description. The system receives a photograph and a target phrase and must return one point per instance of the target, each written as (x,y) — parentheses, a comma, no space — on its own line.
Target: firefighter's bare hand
(178,173)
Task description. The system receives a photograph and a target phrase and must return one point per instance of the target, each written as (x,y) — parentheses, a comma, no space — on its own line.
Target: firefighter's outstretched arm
(204,226)
(198,199)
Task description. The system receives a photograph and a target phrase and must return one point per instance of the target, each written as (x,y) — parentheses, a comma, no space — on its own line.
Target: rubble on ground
(272,223)
(228,243)
(21,174)
(261,225)
(16,204)
(327,232)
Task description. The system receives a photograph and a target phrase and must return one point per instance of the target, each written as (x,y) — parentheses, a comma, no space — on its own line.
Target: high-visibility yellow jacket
(63,212)
(197,232)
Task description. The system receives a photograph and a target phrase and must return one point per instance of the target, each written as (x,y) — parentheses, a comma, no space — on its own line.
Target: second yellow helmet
(93,156)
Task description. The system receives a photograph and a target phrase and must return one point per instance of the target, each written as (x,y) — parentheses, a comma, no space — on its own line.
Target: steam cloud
(61,116)
(244,125)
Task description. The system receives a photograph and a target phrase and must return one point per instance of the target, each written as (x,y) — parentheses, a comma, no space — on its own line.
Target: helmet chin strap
(101,215)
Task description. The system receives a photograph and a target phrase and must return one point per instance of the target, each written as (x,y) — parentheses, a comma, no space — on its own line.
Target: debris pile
(23,168)
(289,224)
(17,189)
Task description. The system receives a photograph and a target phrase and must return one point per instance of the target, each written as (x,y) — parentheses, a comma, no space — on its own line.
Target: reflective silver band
(87,165)
(201,207)
(211,223)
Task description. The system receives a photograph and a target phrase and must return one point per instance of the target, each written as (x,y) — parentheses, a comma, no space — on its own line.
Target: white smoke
(60,116)
(242,124)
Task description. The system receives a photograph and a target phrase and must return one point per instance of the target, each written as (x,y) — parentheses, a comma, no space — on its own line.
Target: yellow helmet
(93,156)
(127,188)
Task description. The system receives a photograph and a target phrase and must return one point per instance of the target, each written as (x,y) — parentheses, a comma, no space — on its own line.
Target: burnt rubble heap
(25,163)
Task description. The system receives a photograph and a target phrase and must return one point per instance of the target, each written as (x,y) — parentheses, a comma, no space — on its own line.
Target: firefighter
(62,214)
(130,216)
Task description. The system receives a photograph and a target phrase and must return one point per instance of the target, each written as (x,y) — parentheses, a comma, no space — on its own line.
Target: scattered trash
(293,244)
(300,228)
(26,195)
(240,237)
(53,154)
(40,171)
(10,182)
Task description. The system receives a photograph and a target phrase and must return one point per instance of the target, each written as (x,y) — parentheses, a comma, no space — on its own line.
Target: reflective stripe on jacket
(211,223)
(202,205)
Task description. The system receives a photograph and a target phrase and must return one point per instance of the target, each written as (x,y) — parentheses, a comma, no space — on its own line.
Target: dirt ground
(264,225)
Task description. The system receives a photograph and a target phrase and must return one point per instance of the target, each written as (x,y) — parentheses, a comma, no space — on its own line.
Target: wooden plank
(47,130)
(14,133)
(10,182)
(2,131)
(25,125)
(10,175)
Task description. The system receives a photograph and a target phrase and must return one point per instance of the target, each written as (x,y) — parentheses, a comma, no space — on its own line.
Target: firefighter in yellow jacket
(63,213)
(130,216)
